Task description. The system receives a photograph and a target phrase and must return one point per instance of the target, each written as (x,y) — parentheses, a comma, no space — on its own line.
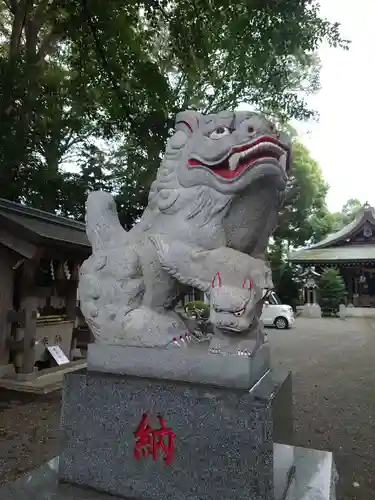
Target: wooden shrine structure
(352,251)
(40,255)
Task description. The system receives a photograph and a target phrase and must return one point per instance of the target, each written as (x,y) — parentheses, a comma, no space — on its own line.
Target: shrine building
(40,326)
(351,250)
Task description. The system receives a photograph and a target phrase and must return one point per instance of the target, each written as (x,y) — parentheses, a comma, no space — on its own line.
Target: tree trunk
(21,86)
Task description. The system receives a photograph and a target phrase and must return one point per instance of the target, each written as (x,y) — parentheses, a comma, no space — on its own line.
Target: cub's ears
(216,282)
(247,283)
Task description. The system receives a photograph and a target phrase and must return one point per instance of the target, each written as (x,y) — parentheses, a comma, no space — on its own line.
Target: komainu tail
(110,282)
(103,227)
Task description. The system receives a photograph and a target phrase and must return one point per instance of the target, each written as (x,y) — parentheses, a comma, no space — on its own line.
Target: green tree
(71,69)
(331,291)
(304,217)
(347,214)
(284,275)
(94,172)
(41,115)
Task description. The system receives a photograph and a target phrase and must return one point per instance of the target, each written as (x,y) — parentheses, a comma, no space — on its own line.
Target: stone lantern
(311,308)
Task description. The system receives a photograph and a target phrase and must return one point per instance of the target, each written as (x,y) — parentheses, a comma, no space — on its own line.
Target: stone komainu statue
(211,209)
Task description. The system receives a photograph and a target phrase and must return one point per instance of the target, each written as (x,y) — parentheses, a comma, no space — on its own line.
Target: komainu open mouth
(243,157)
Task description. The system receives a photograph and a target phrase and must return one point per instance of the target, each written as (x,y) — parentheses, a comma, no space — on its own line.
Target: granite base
(223,445)
(194,364)
(314,478)
(311,311)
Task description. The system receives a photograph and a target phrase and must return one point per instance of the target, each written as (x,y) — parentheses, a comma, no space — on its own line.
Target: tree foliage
(347,214)
(197,309)
(331,291)
(284,275)
(71,71)
(304,217)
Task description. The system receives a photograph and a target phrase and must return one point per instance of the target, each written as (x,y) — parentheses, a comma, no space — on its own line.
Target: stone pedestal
(194,364)
(311,311)
(342,312)
(223,445)
(178,425)
(314,478)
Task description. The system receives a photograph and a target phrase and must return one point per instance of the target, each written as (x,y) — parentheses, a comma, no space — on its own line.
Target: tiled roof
(347,253)
(365,214)
(44,224)
(328,250)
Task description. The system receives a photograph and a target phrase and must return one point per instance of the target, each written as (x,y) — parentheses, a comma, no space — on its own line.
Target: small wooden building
(352,251)
(40,255)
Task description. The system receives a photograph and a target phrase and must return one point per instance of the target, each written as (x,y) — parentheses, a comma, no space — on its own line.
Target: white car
(276,314)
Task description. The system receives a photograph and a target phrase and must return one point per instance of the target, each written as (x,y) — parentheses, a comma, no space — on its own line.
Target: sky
(340,141)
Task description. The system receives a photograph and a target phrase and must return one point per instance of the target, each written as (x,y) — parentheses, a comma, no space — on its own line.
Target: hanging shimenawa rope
(52,267)
(67,272)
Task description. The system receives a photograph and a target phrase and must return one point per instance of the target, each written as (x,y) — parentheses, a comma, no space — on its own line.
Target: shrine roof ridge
(42,227)
(21,209)
(355,253)
(365,214)
(327,249)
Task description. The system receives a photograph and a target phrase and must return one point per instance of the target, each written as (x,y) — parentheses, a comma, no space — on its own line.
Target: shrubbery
(197,309)
(332,291)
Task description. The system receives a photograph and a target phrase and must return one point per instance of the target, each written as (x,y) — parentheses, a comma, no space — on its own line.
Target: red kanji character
(150,440)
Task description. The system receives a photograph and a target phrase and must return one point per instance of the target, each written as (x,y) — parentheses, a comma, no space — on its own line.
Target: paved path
(333,365)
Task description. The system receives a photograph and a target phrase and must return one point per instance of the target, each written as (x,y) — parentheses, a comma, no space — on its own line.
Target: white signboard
(58,354)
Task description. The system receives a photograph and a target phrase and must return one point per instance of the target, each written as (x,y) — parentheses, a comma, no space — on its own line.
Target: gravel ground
(334,404)
(334,394)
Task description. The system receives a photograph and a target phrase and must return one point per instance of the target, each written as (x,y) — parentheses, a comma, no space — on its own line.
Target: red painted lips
(242,157)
